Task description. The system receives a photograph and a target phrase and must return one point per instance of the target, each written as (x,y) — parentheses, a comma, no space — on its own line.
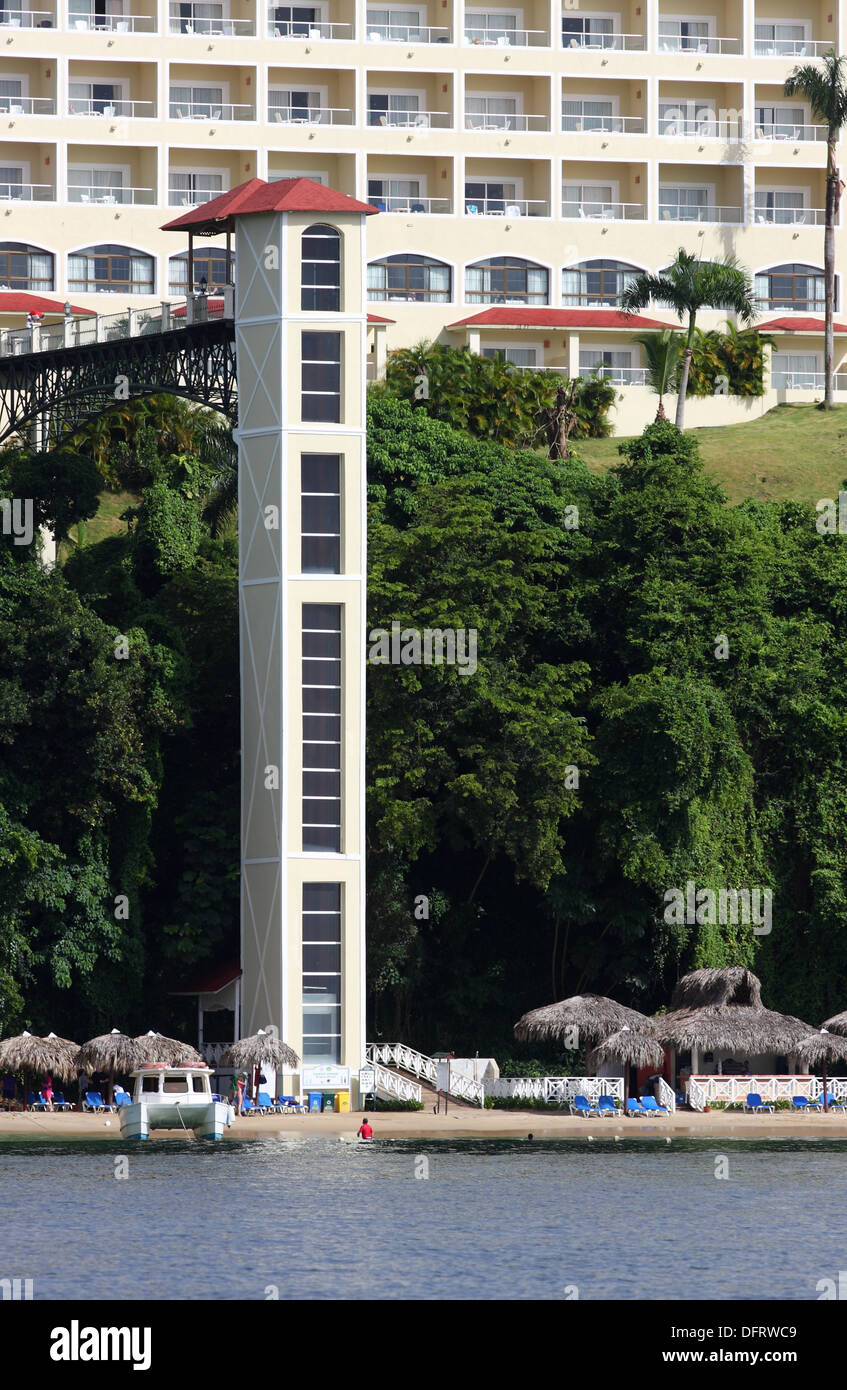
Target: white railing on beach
(665,1095)
(409,1059)
(701,1091)
(555,1090)
(393,1086)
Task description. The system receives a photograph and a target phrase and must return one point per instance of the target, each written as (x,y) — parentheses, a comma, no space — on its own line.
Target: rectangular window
(683,35)
(682,204)
(482,27)
(320,513)
(321,974)
(783,207)
(781,40)
(587,31)
(321,377)
(587,199)
(322,727)
(518,357)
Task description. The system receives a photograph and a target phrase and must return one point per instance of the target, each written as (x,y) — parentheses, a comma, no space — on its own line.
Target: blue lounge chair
(94,1101)
(652,1106)
(580,1106)
(832,1103)
(248,1108)
(802,1103)
(266,1105)
(754,1103)
(291,1103)
(606,1105)
(634,1106)
(59,1102)
(35,1101)
(123,1098)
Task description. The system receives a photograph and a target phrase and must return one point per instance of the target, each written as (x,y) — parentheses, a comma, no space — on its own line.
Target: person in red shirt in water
(365,1129)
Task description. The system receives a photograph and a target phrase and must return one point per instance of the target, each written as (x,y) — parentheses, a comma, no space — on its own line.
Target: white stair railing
(666,1096)
(391,1085)
(409,1059)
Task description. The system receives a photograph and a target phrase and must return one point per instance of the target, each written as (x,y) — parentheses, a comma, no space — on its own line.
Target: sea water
(303,1218)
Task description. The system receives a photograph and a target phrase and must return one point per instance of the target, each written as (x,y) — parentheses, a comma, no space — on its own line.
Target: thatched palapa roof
(158,1048)
(593,1015)
(110,1052)
(836,1024)
(27,1052)
(822,1047)
(722,1010)
(632,1049)
(262,1049)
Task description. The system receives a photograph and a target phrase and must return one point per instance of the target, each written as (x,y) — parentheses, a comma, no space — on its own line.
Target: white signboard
(327,1078)
(366,1081)
(442,1078)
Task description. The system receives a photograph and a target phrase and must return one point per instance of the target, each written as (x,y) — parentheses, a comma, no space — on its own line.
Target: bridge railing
(107,328)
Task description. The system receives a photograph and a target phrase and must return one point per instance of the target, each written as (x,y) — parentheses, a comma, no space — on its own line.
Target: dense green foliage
(685,659)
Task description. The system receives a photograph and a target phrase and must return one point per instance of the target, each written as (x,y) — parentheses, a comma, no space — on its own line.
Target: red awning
(22,302)
(211,980)
(504,316)
(286,195)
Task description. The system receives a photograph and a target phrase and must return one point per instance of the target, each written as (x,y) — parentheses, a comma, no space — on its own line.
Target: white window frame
(710,20)
(125,171)
(517,182)
(318,175)
(176,169)
(193,84)
(322,93)
(631,348)
(577,186)
(503,346)
(421,180)
(594,14)
(22,77)
(795,21)
(708,188)
(99,81)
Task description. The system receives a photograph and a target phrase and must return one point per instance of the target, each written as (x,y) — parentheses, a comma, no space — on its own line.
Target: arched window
(209,263)
(321,269)
(410,277)
(25,267)
(506,280)
(596,284)
(112,270)
(792,286)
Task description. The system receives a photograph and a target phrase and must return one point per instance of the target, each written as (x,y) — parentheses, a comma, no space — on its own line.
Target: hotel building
(526,158)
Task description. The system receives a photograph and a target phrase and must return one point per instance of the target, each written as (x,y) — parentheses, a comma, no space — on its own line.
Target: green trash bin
(328,1100)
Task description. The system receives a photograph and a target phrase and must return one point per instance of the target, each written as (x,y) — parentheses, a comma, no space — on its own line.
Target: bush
(397,1105)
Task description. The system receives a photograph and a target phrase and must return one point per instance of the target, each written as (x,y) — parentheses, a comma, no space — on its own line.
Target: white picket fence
(705,1090)
(555,1090)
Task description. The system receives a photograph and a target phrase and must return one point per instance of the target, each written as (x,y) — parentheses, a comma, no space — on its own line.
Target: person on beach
(365,1129)
(239,1092)
(47,1091)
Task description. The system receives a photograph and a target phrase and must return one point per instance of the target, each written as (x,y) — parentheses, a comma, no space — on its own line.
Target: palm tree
(825,89)
(686,286)
(663,352)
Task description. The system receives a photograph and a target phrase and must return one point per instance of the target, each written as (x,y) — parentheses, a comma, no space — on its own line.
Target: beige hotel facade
(524,157)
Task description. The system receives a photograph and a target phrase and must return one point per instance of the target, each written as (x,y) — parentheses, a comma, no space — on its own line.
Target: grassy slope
(795,451)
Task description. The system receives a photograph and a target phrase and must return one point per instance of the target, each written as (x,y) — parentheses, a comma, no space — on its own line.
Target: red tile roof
(797,324)
(211,980)
(22,302)
(286,195)
(505,317)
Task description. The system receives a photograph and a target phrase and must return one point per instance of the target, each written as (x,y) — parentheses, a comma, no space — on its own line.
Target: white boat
(166,1097)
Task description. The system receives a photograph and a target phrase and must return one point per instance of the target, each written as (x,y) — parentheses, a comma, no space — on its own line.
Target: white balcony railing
(604,125)
(178,197)
(212,28)
(476,120)
(806,381)
(112,196)
(27,106)
(297,29)
(785,130)
(436,206)
(27,193)
(411,120)
(506,207)
(112,23)
(790,217)
(705,213)
(315,115)
(29,19)
(704,129)
(515,38)
(211,111)
(626,43)
(683,43)
(603,212)
(792,48)
(407,33)
(618,376)
(131,110)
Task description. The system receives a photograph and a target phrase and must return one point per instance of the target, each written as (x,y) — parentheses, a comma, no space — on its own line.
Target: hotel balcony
(524,27)
(310,22)
(298,97)
(405,184)
(28,91)
(604,192)
(499,104)
(100,174)
(701,111)
(29,172)
(709,26)
(506,188)
(703,193)
(789,198)
(804,30)
(211,93)
(784,119)
(196,19)
(623,30)
(603,106)
(44,18)
(125,91)
(197,176)
(419,25)
(135,17)
(334,170)
(403,102)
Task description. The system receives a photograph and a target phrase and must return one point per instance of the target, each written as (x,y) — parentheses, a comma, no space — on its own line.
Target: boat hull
(207,1119)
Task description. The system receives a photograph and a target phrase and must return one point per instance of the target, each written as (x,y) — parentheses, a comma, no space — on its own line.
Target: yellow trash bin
(342,1102)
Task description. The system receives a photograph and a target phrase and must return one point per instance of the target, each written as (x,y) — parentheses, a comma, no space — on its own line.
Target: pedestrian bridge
(55,377)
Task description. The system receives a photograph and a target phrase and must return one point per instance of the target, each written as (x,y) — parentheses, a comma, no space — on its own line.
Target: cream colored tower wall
(271,438)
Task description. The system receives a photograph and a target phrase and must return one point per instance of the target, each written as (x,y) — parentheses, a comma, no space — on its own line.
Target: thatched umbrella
(836,1024)
(28,1053)
(259,1050)
(593,1017)
(634,1050)
(158,1048)
(110,1052)
(823,1047)
(722,1010)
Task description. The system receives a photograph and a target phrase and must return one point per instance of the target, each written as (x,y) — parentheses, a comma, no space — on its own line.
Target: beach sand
(459,1123)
